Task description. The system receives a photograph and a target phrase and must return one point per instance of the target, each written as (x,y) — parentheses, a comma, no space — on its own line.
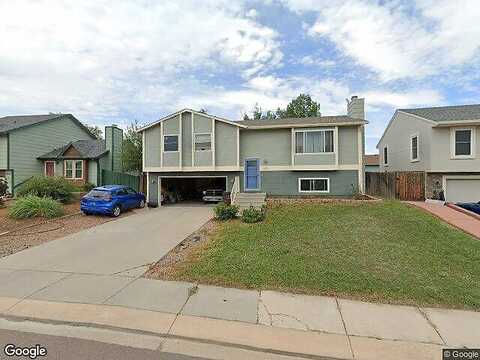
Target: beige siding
(225,144)
(202,124)
(348,145)
(187,139)
(152,146)
(272,146)
(397,139)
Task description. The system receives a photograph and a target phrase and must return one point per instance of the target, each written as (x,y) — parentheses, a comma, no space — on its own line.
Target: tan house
(443,142)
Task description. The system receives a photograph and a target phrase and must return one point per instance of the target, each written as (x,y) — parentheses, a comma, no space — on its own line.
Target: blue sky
(114,62)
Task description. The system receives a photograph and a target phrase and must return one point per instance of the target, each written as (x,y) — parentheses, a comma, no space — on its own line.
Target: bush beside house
(35,206)
(53,187)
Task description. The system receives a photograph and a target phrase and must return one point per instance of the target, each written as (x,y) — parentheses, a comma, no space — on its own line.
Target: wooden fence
(402,185)
(116,178)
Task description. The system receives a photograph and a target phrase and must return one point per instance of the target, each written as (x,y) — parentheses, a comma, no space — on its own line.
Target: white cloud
(396,100)
(394,39)
(95,57)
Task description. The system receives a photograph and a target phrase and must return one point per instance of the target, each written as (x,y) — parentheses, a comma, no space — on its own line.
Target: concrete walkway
(294,324)
(124,245)
(455,218)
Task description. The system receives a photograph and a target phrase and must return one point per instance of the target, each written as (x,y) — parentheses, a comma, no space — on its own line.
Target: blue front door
(252,174)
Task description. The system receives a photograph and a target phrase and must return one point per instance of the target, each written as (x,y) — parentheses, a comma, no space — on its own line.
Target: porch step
(245,200)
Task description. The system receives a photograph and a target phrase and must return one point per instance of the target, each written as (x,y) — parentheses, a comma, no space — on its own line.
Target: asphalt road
(68,348)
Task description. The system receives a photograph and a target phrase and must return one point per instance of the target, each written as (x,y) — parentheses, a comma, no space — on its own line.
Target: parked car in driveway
(213,195)
(111,200)
(473,206)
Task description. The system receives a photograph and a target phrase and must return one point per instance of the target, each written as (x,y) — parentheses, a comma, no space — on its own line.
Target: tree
(300,107)
(257,114)
(132,148)
(95,130)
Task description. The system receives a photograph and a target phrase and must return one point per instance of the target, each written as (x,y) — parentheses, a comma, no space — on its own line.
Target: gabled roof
(301,122)
(447,113)
(88,149)
(371,160)
(193,112)
(276,123)
(9,123)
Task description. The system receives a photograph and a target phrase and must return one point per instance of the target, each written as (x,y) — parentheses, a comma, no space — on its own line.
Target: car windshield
(101,194)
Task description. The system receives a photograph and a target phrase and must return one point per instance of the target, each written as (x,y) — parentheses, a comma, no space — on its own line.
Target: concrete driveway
(117,247)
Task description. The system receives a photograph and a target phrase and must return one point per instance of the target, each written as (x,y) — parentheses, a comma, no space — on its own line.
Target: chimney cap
(354,97)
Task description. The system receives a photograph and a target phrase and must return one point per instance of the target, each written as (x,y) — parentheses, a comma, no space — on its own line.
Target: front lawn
(386,252)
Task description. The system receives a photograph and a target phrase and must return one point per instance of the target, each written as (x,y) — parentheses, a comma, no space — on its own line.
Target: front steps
(245,200)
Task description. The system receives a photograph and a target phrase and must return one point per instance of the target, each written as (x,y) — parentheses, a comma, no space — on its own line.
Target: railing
(235,189)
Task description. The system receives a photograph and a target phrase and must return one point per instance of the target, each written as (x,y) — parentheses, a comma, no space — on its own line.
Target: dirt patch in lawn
(167,267)
(23,234)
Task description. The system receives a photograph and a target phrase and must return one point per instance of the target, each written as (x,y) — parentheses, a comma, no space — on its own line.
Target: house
(55,144)
(443,142)
(189,151)
(371,163)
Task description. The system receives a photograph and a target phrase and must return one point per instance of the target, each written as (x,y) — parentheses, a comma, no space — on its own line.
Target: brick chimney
(356,107)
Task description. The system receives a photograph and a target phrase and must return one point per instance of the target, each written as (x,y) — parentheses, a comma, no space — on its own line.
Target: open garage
(189,188)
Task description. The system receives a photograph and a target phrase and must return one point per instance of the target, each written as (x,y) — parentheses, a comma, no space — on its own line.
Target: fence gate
(117,178)
(401,185)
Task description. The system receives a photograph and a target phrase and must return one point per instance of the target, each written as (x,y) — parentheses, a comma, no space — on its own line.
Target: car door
(133,197)
(123,197)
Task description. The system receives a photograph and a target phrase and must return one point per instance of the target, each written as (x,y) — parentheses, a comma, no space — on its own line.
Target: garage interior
(190,189)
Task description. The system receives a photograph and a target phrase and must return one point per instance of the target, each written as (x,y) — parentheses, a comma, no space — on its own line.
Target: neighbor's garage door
(462,190)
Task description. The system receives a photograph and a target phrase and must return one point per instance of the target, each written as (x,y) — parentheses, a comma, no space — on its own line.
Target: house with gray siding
(189,152)
(55,145)
(443,142)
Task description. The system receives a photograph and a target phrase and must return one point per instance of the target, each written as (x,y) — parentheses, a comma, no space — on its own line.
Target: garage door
(462,190)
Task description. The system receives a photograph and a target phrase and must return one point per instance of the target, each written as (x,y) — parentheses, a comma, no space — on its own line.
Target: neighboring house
(55,144)
(371,163)
(283,157)
(443,142)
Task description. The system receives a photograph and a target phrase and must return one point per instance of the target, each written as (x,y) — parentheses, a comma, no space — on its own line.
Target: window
(203,142)
(73,169)
(414,147)
(170,143)
(311,142)
(320,185)
(385,155)
(463,142)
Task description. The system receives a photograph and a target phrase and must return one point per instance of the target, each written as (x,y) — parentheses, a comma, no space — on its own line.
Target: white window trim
(178,143)
(385,163)
(304,131)
(194,142)
(45,167)
(413,136)
(313,191)
(473,144)
(74,168)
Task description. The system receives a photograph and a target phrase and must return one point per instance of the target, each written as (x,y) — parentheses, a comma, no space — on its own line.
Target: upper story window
(463,143)
(314,141)
(385,155)
(203,142)
(170,143)
(414,147)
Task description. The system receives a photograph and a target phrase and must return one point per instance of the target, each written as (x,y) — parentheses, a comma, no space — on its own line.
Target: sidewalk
(266,320)
(453,217)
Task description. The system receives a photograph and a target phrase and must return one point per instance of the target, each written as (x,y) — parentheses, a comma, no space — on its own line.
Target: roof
(307,121)
(447,113)
(9,123)
(276,123)
(371,160)
(88,149)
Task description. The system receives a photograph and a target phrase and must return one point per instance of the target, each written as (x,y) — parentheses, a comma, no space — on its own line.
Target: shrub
(253,215)
(56,188)
(224,211)
(87,187)
(34,206)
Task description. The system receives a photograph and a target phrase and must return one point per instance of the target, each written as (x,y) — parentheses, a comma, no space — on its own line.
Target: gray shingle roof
(320,120)
(9,123)
(447,113)
(88,149)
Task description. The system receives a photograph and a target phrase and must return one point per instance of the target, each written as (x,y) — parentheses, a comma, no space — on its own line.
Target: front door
(252,174)
(49,168)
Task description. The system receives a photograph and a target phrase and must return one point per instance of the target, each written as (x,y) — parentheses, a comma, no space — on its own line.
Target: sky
(119,61)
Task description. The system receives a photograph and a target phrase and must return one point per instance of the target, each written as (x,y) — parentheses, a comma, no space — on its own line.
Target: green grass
(386,252)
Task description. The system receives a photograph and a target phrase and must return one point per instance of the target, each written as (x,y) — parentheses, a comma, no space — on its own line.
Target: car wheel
(116,211)
(141,204)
